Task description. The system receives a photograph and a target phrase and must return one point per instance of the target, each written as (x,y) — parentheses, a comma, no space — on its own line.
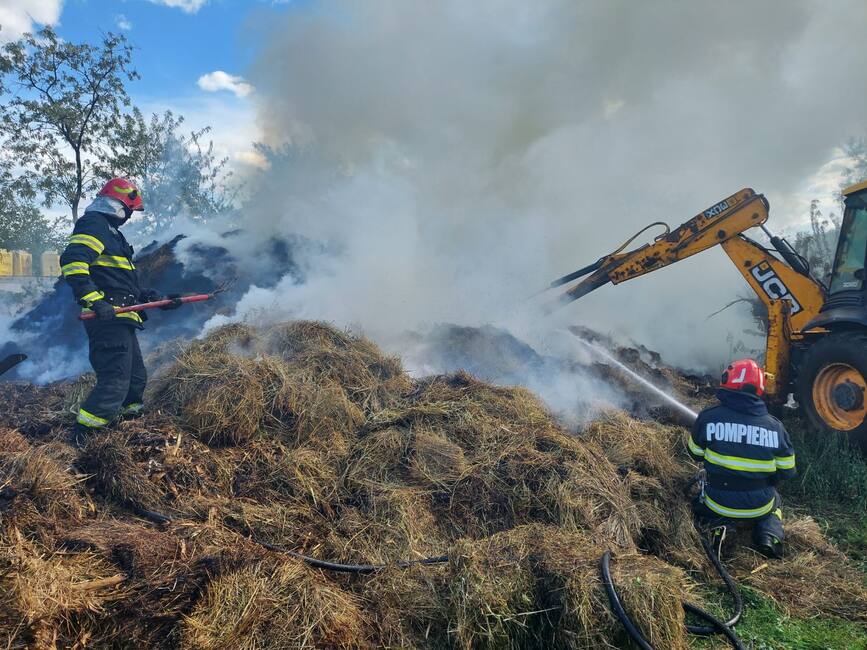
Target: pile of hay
(309,438)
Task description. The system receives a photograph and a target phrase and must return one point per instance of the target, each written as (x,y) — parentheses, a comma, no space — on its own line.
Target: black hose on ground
(703,630)
(351,568)
(716,625)
(159,518)
(633,632)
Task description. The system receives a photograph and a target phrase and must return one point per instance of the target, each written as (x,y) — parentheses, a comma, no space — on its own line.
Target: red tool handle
(89,315)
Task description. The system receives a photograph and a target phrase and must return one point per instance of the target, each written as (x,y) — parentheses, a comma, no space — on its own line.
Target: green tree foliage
(65,103)
(855,151)
(818,244)
(179,173)
(22,225)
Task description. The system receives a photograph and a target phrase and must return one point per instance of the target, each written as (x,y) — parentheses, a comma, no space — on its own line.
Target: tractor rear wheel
(832,385)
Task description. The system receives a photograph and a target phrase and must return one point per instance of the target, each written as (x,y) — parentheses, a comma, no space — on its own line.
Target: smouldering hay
(268,471)
(371,380)
(317,413)
(425,623)
(12,441)
(112,472)
(539,586)
(40,589)
(521,467)
(437,460)
(36,475)
(283,605)
(310,438)
(649,448)
(651,457)
(221,398)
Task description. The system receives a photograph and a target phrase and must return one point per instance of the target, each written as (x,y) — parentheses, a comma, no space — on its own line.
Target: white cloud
(188,6)
(19,16)
(233,126)
(123,22)
(219,80)
(251,158)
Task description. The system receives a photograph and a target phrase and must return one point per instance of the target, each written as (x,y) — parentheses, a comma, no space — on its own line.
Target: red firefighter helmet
(124,191)
(744,374)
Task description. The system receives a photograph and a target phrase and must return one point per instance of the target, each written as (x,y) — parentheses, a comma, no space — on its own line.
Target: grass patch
(831,485)
(768,628)
(830,470)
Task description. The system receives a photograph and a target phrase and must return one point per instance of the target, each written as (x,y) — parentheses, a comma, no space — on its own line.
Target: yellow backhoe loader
(817,335)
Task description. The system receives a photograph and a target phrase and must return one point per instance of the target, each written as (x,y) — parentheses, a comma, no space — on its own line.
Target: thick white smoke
(457,156)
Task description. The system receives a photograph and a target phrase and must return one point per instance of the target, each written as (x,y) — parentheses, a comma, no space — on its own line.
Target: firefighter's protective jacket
(97,264)
(745,451)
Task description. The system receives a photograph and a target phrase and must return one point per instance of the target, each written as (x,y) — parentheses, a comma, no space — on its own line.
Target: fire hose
(159,518)
(716,626)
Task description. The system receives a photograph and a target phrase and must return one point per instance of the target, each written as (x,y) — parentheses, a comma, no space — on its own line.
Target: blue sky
(191,54)
(174,47)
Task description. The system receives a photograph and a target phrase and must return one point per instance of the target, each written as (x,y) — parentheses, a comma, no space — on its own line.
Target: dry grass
(274,606)
(308,437)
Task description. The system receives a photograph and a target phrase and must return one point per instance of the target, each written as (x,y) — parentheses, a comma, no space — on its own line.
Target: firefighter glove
(103,310)
(150,295)
(175,302)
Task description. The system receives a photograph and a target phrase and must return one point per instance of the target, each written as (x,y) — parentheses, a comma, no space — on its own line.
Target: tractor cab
(847,279)
(832,370)
(846,302)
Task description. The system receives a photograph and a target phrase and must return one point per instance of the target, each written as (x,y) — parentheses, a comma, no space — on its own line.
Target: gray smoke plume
(455,156)
(447,159)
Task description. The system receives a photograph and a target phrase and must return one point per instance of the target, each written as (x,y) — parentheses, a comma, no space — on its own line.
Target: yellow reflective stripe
(694,448)
(785,462)
(87,240)
(75,268)
(131,315)
(114,262)
(739,464)
(738,513)
(93,295)
(132,408)
(90,420)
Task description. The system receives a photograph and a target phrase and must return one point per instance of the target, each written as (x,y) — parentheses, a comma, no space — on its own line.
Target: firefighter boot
(79,435)
(769,545)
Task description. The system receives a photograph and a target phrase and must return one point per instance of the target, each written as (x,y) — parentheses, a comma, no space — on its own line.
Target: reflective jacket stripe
(115,262)
(131,315)
(785,462)
(75,268)
(88,240)
(739,464)
(90,420)
(93,295)
(694,448)
(738,513)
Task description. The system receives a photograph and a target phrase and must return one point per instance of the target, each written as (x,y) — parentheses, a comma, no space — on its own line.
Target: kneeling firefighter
(98,266)
(745,452)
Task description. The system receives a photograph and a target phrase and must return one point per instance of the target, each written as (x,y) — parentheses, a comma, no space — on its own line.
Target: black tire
(849,348)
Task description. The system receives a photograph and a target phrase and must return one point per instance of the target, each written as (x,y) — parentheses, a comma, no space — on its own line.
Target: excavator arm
(792,297)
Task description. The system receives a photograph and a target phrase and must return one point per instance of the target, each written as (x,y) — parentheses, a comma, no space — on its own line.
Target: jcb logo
(773,286)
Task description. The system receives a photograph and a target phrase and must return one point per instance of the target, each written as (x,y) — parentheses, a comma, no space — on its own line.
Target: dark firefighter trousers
(120,373)
(771,523)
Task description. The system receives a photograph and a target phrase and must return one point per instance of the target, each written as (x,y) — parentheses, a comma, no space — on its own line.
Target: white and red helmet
(744,374)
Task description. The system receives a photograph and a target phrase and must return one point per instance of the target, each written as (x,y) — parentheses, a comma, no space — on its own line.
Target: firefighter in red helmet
(745,451)
(97,264)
